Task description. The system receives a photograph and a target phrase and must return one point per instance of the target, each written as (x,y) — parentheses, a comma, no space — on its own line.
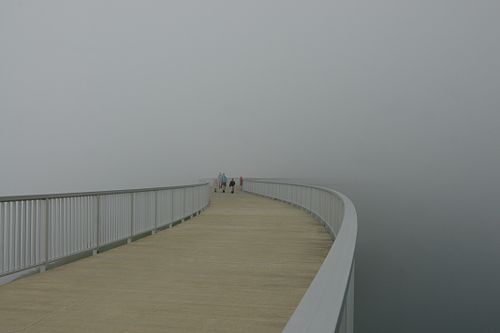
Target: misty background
(394,103)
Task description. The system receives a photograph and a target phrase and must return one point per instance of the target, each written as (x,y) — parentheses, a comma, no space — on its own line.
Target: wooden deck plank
(241,266)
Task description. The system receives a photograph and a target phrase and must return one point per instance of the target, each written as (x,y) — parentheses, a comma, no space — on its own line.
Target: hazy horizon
(394,103)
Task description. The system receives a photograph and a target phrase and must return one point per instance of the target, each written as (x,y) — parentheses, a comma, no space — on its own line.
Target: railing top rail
(91,193)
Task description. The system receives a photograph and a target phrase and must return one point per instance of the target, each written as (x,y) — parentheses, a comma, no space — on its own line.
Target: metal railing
(328,304)
(39,230)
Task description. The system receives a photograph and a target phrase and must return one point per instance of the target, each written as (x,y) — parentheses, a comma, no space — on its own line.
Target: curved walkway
(241,266)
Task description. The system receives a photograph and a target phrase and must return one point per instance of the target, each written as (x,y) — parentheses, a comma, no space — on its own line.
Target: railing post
(192,198)
(184,203)
(45,265)
(98,226)
(310,200)
(156,213)
(129,240)
(172,213)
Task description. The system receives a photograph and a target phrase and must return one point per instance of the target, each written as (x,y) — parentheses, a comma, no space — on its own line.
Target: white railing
(38,230)
(328,304)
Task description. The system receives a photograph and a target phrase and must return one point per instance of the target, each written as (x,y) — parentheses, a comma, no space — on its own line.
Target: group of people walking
(221,183)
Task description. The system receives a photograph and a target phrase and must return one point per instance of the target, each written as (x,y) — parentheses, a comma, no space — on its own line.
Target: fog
(395,103)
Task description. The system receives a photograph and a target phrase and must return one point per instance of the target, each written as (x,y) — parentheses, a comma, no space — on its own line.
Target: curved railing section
(328,304)
(38,230)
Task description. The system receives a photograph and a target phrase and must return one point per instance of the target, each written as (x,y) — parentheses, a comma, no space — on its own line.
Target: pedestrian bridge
(238,263)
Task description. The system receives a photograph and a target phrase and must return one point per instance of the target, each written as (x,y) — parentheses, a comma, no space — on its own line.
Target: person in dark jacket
(232,183)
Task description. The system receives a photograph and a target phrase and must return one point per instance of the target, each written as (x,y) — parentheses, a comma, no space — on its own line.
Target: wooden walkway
(241,266)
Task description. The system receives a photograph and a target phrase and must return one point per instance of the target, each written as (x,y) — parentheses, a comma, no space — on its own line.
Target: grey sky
(112,94)
(123,93)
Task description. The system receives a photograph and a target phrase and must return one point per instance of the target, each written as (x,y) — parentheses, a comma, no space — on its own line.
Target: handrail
(38,230)
(81,194)
(328,304)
